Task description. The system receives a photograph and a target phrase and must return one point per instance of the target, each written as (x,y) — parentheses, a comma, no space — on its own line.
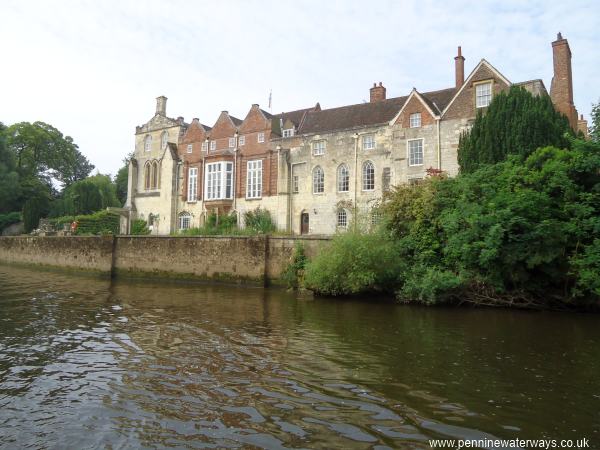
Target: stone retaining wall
(258,259)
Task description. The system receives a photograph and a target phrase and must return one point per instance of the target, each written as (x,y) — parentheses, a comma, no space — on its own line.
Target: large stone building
(315,169)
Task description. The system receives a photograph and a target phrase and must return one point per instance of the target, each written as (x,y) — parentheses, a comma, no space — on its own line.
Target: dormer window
(231,142)
(483,94)
(288,132)
(261,137)
(213,145)
(148,143)
(415,120)
(163,139)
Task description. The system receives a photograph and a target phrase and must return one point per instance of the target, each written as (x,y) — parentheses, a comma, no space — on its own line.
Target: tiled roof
(266,114)
(438,100)
(237,122)
(362,114)
(293,116)
(369,114)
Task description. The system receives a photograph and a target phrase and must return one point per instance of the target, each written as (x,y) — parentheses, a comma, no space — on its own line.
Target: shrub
(293,274)
(8,219)
(215,225)
(33,210)
(139,227)
(101,222)
(355,263)
(522,232)
(259,221)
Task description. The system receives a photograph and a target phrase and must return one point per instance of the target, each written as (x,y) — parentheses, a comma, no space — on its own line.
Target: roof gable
(483,71)
(158,122)
(413,96)
(195,132)
(225,126)
(255,120)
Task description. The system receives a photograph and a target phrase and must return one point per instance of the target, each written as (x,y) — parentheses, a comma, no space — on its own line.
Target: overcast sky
(94,68)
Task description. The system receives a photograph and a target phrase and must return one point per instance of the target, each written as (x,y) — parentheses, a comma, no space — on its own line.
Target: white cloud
(93,69)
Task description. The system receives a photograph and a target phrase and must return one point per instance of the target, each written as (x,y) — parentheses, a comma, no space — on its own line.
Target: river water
(94,363)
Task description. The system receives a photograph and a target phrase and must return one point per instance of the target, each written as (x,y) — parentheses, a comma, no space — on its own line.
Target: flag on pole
(270,97)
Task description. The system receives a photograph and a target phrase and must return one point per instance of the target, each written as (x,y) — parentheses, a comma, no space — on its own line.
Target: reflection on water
(87,363)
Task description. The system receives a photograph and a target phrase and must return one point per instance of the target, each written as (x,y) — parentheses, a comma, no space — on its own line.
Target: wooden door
(304,223)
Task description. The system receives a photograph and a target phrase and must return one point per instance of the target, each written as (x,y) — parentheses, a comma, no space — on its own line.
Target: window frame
(316,145)
(260,137)
(287,132)
(184,216)
(192,185)
(372,143)
(414,120)
(190,148)
(220,181)
(213,145)
(148,143)
(488,96)
(254,179)
(342,218)
(204,146)
(408,150)
(242,140)
(340,180)
(232,142)
(164,139)
(368,179)
(318,186)
(295,184)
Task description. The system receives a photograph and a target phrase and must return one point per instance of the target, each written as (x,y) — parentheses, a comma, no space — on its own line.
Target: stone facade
(316,170)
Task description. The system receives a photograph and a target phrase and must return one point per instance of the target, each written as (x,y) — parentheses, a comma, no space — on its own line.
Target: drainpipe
(234,175)
(204,183)
(355,137)
(439,145)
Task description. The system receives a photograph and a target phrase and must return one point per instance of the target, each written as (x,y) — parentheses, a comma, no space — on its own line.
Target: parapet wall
(258,259)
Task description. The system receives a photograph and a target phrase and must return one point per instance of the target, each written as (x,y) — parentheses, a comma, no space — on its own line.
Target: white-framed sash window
(254,179)
(218,183)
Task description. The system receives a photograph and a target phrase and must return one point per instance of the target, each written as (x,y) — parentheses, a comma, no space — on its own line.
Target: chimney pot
(459,68)
(377,92)
(559,36)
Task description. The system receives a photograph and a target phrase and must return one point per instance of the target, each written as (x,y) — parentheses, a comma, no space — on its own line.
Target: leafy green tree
(516,122)
(108,189)
(10,188)
(41,150)
(33,210)
(594,128)
(86,197)
(121,183)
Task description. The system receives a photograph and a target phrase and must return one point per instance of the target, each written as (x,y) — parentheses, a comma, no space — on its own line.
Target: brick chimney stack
(377,92)
(161,105)
(459,68)
(561,89)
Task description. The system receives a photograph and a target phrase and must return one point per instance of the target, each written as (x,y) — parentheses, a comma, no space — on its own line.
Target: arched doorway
(304,222)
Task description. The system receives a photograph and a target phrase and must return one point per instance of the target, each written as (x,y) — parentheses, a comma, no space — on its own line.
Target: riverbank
(240,259)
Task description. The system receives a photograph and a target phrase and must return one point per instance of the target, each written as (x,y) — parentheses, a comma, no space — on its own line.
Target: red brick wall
(415,105)
(464,105)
